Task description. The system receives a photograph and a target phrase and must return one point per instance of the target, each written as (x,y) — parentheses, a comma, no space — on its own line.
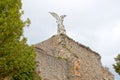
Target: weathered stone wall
(82,63)
(107,74)
(87,61)
(49,67)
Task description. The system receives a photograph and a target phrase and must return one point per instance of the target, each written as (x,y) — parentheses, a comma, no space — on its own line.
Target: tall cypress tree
(17,58)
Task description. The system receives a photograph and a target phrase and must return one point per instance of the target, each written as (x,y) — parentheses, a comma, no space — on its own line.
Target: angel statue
(59,21)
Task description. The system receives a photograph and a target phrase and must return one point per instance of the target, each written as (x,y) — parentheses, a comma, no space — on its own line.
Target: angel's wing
(54,15)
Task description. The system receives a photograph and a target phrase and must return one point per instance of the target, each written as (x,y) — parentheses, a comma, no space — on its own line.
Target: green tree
(117,64)
(17,58)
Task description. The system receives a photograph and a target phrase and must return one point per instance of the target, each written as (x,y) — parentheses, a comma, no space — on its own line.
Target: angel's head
(63,16)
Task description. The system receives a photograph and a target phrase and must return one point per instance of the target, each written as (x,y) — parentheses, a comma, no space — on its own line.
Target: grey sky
(94,23)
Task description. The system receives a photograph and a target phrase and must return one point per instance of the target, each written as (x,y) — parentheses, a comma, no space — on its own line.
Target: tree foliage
(117,64)
(17,59)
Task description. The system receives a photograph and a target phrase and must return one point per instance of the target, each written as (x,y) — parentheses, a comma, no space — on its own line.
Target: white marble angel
(59,21)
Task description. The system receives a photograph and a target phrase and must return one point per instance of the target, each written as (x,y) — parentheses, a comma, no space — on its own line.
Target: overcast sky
(94,23)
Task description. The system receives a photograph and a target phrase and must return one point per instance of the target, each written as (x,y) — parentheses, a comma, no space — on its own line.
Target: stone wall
(86,63)
(107,74)
(78,61)
(49,67)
